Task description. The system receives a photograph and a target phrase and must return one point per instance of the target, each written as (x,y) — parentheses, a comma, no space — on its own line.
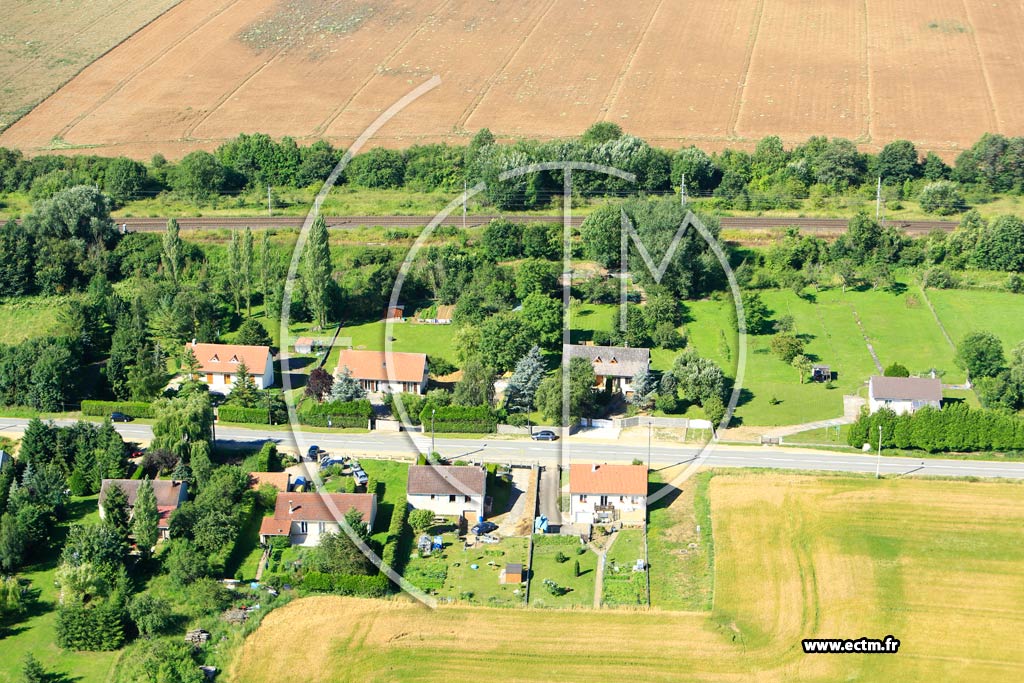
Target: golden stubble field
(44,43)
(938,72)
(938,564)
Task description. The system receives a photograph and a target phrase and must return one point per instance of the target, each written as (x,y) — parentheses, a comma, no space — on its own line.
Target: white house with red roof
(219,363)
(305,517)
(607,493)
(377,371)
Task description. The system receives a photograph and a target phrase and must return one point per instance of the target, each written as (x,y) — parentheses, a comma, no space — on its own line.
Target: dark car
(216,398)
(313,453)
(544,435)
(120,417)
(483,528)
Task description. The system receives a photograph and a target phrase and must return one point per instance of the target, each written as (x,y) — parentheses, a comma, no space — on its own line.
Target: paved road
(808,225)
(527,452)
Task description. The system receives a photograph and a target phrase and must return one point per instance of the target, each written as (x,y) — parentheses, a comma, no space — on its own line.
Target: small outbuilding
(304,345)
(821,373)
(395,312)
(512,573)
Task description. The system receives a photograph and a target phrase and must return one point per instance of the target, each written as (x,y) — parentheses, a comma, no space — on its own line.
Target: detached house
(377,371)
(305,517)
(448,490)
(903,394)
(218,364)
(170,494)
(614,366)
(607,493)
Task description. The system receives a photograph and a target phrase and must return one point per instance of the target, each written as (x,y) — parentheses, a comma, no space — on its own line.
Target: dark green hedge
(463,419)
(258,416)
(339,414)
(346,584)
(105,408)
(953,428)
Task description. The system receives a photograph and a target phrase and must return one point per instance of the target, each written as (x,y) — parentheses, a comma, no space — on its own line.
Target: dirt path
(599,577)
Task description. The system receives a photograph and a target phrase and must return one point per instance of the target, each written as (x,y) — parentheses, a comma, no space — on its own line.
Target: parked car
(120,417)
(313,453)
(483,528)
(359,475)
(544,435)
(216,398)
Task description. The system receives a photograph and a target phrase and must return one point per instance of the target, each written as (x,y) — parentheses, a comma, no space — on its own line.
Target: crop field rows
(939,73)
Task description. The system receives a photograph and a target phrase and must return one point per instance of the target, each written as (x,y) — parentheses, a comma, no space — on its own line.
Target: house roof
(446,480)
(225,358)
(164,514)
(613,361)
(404,367)
(512,568)
(279,480)
(168,491)
(314,507)
(304,341)
(615,479)
(906,388)
(275,527)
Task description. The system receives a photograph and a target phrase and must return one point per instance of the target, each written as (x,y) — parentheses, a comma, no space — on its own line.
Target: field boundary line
(864,334)
(492,79)
(123,83)
(613,93)
(994,109)
(938,320)
(741,83)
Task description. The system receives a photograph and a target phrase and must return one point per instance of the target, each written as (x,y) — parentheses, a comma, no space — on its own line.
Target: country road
(807,225)
(526,452)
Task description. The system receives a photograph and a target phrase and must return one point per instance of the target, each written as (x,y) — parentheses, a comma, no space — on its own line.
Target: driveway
(550,490)
(508,521)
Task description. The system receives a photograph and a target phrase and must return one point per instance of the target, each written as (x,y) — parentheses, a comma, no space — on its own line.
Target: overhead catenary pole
(464,190)
(878,200)
(270,210)
(682,189)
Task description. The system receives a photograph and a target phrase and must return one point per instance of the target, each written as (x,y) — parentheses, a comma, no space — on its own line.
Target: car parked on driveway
(544,435)
(483,528)
(359,475)
(120,417)
(313,453)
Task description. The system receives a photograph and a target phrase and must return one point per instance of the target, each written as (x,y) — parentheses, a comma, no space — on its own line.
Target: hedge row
(346,584)
(131,408)
(390,556)
(469,420)
(246,510)
(953,428)
(338,421)
(258,416)
(360,408)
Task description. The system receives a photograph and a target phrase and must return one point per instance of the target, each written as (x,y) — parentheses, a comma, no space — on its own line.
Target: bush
(338,414)
(105,408)
(939,278)
(953,428)
(942,197)
(469,420)
(346,584)
(229,413)
(561,557)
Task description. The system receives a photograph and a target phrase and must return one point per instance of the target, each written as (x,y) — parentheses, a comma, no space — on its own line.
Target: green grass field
(680,555)
(624,587)
(36,633)
(546,549)
(433,340)
(796,556)
(28,317)
(450,574)
(966,311)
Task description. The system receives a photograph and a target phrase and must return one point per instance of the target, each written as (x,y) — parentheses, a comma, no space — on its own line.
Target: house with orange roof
(379,372)
(601,494)
(218,364)
(305,517)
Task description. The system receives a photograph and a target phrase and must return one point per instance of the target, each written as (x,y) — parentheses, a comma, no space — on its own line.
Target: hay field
(938,564)
(939,72)
(43,43)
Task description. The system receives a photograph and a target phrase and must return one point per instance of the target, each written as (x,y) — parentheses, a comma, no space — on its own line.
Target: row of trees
(765,178)
(955,427)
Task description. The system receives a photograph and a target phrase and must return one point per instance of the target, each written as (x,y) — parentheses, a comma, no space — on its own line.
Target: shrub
(104,408)
(470,420)
(561,557)
(939,278)
(337,414)
(942,197)
(229,413)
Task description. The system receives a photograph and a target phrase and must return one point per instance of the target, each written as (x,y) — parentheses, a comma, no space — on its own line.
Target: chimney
(193,341)
(593,467)
(291,507)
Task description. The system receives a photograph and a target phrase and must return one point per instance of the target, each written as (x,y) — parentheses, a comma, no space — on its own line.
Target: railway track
(808,225)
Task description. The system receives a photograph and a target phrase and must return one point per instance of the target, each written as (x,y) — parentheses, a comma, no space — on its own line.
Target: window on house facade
(303,527)
(583,498)
(451,498)
(323,527)
(467,499)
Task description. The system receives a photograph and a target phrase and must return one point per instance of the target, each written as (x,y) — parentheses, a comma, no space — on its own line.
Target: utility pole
(650,429)
(270,210)
(878,460)
(682,189)
(432,411)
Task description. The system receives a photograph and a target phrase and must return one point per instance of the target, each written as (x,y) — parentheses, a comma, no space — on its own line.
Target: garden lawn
(29,317)
(681,558)
(433,340)
(966,311)
(622,585)
(36,632)
(545,566)
(390,478)
(449,572)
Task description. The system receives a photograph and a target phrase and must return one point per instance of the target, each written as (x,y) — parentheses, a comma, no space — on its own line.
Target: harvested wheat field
(43,43)
(938,72)
(937,564)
